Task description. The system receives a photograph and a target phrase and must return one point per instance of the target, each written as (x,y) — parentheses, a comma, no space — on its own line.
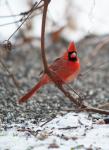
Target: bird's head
(71,53)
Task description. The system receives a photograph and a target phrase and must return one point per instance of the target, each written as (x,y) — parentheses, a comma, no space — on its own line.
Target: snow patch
(72,130)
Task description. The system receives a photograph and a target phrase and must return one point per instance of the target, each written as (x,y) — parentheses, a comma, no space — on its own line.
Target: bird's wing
(59,65)
(54,63)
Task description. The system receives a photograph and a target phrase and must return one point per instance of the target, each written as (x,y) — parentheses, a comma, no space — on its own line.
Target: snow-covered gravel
(71,131)
(21,125)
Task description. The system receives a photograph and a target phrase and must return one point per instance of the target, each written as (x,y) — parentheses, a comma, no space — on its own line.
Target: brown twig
(10,74)
(19,20)
(22,13)
(106,105)
(25,19)
(17,25)
(52,75)
(7,46)
(43,36)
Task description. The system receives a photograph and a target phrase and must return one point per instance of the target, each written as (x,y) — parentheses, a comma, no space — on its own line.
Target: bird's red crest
(72,47)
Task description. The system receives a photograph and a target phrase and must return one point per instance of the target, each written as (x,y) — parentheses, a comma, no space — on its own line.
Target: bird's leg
(59,82)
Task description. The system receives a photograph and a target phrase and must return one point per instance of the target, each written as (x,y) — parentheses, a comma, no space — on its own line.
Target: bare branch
(25,19)
(52,75)
(10,74)
(43,36)
(22,13)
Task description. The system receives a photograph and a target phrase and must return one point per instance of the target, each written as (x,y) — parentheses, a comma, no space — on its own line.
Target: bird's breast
(65,71)
(73,70)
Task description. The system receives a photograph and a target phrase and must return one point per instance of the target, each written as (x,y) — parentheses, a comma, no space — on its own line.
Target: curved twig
(32,9)
(52,75)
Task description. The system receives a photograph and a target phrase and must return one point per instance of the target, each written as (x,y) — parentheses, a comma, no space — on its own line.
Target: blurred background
(84,21)
(72,19)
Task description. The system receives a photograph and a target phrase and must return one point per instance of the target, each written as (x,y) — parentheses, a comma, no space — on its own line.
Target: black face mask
(70,58)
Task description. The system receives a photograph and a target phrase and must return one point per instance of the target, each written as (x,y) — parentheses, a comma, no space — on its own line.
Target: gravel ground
(25,62)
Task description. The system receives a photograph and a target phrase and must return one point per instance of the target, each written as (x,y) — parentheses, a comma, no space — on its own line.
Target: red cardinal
(66,68)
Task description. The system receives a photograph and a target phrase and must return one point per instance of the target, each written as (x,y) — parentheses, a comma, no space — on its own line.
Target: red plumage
(66,69)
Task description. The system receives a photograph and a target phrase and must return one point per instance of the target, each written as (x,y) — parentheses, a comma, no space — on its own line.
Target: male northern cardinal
(66,69)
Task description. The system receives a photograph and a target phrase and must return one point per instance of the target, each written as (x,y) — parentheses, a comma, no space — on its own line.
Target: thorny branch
(22,13)
(26,15)
(10,74)
(52,75)
(20,30)
(25,19)
(18,21)
(7,45)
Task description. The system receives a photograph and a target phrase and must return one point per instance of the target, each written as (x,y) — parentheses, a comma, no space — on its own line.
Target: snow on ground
(68,132)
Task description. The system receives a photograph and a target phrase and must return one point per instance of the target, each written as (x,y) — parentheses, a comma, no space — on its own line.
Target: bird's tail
(28,95)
